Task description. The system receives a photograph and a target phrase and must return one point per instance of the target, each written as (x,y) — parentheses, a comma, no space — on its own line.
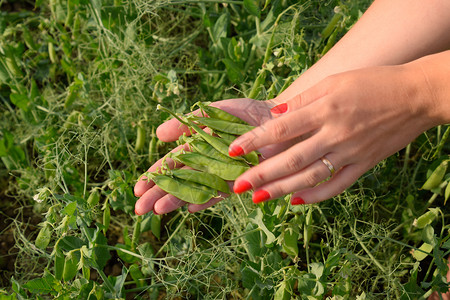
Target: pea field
(80,82)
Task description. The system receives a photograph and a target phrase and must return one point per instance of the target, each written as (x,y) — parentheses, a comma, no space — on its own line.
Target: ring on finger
(329,165)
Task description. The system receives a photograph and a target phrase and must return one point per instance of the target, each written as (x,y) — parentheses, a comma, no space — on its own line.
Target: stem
(374,260)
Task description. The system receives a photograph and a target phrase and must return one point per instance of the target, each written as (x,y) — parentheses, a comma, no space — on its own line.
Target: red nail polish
(279,109)
(235,150)
(297,201)
(241,186)
(260,196)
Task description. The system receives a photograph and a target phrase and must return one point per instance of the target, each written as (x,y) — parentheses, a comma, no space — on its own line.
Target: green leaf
(290,245)
(45,285)
(220,28)
(233,71)
(156,226)
(252,7)
(20,100)
(258,220)
(69,243)
(70,209)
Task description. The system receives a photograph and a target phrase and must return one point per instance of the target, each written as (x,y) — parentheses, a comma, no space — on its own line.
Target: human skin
(364,101)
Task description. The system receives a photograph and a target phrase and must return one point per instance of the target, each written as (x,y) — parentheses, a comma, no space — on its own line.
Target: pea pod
(436,177)
(216,142)
(140,138)
(251,157)
(94,197)
(213,181)
(70,266)
(207,150)
(44,236)
(224,126)
(217,113)
(203,163)
(181,190)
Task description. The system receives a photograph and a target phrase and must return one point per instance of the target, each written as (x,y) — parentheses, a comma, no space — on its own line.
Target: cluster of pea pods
(207,166)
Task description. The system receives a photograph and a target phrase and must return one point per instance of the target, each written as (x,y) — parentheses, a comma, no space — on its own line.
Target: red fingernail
(241,186)
(279,109)
(235,150)
(260,196)
(297,201)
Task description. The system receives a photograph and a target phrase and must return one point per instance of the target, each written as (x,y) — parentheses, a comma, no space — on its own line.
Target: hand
(353,119)
(153,198)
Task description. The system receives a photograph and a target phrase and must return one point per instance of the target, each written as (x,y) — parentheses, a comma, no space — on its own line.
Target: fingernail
(279,109)
(297,201)
(241,186)
(136,212)
(154,212)
(260,196)
(235,150)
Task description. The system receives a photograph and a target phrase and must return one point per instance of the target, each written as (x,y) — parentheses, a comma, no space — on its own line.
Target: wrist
(430,75)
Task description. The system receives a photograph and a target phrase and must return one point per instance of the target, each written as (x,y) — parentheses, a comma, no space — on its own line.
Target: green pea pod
(94,197)
(422,252)
(229,138)
(427,218)
(44,236)
(140,138)
(217,113)
(106,216)
(213,181)
(153,148)
(70,266)
(436,177)
(257,85)
(207,150)
(447,193)
(181,190)
(203,163)
(52,53)
(224,126)
(307,229)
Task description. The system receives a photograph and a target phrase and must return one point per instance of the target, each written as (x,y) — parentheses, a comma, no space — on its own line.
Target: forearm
(390,32)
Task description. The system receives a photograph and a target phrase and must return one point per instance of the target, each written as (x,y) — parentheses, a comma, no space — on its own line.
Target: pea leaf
(258,220)
(252,7)
(233,71)
(45,285)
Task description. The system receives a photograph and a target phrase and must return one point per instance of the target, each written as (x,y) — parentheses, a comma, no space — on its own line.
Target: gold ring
(329,165)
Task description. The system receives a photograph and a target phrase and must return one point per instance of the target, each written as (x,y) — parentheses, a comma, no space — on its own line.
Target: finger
(144,184)
(147,201)
(192,208)
(283,164)
(298,100)
(343,179)
(309,177)
(277,130)
(167,204)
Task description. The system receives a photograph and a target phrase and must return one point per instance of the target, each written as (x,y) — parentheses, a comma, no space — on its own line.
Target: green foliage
(79,85)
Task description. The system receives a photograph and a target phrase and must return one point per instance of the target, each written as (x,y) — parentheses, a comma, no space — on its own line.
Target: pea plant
(80,84)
